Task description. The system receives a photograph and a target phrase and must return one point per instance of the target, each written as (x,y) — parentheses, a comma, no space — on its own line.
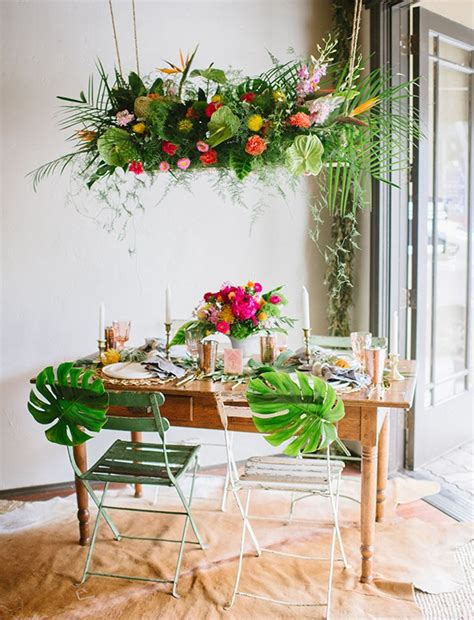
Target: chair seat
(141,463)
(288,473)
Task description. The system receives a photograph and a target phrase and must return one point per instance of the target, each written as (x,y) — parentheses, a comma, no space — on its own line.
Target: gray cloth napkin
(163,369)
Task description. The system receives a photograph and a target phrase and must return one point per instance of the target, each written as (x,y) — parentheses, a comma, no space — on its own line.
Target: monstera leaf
(222,125)
(72,399)
(304,156)
(116,148)
(303,412)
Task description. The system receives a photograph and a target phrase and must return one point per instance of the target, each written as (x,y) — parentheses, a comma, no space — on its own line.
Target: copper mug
(268,349)
(208,356)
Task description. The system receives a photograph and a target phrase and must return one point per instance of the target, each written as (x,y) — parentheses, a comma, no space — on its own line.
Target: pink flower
(213,315)
(136,167)
(275,299)
(202,147)
(164,166)
(303,72)
(223,327)
(124,118)
(183,163)
(257,287)
(244,306)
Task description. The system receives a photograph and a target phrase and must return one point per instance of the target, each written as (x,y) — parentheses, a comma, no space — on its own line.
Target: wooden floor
(419,509)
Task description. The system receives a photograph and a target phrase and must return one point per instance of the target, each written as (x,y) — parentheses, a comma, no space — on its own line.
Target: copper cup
(208,355)
(268,349)
(374,358)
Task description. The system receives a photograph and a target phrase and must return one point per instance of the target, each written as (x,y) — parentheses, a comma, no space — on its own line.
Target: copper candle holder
(307,350)
(101,346)
(167,345)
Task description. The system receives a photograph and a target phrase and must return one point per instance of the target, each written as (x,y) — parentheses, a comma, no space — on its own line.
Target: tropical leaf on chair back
(303,412)
(71,397)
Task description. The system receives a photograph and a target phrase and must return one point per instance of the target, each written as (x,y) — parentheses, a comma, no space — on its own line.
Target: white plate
(126,370)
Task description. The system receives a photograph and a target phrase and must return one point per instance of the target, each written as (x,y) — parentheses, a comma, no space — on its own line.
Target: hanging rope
(354,40)
(114,28)
(119,62)
(135,36)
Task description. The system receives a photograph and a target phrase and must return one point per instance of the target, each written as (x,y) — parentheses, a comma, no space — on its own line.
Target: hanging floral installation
(302,117)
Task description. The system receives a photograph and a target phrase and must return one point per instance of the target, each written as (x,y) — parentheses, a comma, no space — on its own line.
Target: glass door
(442,319)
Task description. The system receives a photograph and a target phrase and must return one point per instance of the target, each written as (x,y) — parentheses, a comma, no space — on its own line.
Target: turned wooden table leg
(137,436)
(367,511)
(382,467)
(80,456)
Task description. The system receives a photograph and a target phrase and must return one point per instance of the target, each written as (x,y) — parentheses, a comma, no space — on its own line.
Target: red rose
(136,167)
(248,97)
(169,148)
(223,327)
(208,296)
(209,158)
(212,107)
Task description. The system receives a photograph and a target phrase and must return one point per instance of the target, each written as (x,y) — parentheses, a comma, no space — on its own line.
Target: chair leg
(187,507)
(226,489)
(105,514)
(331,572)
(241,555)
(246,521)
(94,535)
(335,508)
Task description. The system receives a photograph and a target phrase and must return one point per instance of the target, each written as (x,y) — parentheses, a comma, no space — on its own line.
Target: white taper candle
(394,334)
(168,305)
(101,322)
(305,308)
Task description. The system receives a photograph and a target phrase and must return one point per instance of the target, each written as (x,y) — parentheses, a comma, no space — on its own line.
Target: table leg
(137,436)
(80,456)
(382,467)
(367,510)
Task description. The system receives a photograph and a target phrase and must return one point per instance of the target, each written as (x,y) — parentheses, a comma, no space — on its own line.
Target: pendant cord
(115,36)
(135,36)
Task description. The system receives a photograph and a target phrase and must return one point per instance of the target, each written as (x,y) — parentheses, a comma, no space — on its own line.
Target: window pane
(452,173)
(447,51)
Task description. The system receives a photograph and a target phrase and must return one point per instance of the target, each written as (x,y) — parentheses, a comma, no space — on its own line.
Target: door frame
(425,22)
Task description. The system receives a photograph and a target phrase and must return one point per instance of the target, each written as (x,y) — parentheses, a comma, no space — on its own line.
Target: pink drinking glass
(121,333)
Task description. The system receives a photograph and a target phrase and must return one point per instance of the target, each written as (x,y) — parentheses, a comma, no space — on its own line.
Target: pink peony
(202,147)
(164,166)
(183,163)
(223,327)
(275,299)
(124,118)
(244,306)
(257,287)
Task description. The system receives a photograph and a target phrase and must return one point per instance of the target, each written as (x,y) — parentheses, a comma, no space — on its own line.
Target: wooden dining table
(366,420)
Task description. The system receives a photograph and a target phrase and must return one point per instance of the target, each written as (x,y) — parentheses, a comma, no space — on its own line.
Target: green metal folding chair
(78,402)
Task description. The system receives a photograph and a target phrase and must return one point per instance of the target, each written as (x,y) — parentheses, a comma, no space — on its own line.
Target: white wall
(57,266)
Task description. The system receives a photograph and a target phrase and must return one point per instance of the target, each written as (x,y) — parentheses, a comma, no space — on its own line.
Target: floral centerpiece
(239,312)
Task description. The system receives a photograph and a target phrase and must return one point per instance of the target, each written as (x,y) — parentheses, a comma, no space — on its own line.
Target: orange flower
(87,136)
(255,146)
(154,96)
(301,120)
(262,316)
(174,68)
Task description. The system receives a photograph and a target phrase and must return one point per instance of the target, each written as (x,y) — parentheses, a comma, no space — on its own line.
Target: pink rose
(183,163)
(223,327)
(202,147)
(257,287)
(275,299)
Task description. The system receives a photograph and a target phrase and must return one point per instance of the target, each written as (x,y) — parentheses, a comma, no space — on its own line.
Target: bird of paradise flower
(183,68)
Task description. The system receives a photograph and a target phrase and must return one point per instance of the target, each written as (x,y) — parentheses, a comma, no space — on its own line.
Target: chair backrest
(332,342)
(136,411)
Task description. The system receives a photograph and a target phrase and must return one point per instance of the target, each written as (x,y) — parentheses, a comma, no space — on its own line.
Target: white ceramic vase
(249,346)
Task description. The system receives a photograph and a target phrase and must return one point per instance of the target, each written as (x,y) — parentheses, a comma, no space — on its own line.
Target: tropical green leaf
(304,156)
(116,148)
(303,413)
(136,84)
(211,74)
(241,164)
(179,337)
(222,126)
(72,398)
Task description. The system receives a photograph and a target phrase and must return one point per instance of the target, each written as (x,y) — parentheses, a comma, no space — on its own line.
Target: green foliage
(211,74)
(303,413)
(304,156)
(116,148)
(241,164)
(72,398)
(179,337)
(222,126)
